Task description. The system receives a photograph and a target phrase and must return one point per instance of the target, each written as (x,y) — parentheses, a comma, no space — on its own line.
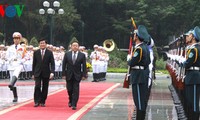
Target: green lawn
(124,70)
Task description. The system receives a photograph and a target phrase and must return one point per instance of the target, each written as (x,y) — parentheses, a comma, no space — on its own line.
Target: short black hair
(74,42)
(42,39)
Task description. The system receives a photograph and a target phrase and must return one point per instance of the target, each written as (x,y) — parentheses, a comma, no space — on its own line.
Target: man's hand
(128,57)
(64,77)
(83,78)
(33,77)
(51,76)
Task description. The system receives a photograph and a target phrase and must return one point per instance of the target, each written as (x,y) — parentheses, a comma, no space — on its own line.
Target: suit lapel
(70,57)
(40,54)
(45,52)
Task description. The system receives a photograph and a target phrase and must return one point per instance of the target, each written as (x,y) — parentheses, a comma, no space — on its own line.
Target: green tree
(34,42)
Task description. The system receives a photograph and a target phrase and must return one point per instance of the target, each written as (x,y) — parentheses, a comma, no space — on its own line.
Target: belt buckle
(15,59)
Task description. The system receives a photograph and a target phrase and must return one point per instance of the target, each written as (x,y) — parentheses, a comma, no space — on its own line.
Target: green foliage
(34,42)
(160,64)
(117,59)
(117,70)
(105,19)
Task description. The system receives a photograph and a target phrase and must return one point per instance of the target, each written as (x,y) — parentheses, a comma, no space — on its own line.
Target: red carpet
(56,104)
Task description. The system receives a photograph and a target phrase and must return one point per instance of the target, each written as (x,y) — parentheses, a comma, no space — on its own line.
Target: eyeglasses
(16,38)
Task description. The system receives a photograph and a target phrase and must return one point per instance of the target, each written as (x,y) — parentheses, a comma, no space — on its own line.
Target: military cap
(95,46)
(196,33)
(17,34)
(189,32)
(143,34)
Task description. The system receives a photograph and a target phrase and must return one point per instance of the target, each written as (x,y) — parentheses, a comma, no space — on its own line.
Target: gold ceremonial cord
(140,53)
(187,54)
(195,55)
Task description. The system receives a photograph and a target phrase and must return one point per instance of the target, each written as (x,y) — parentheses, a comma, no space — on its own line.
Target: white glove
(182,59)
(149,82)
(128,57)
(51,76)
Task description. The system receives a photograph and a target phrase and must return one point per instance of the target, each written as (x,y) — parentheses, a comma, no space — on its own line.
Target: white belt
(194,68)
(138,67)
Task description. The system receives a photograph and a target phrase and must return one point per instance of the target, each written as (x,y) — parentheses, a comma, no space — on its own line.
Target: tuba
(24,40)
(109,45)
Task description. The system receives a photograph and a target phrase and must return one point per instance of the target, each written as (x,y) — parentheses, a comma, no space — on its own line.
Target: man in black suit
(43,69)
(73,70)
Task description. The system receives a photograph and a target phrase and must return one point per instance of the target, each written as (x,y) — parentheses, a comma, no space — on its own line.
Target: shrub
(34,42)
(160,64)
(117,59)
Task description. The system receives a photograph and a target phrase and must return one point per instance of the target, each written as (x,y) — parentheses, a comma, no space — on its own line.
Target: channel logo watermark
(11,10)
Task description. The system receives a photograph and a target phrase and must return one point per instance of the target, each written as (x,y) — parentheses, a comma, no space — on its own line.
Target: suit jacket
(78,69)
(43,67)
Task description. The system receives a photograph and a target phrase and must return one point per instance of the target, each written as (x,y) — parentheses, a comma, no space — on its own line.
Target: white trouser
(95,67)
(15,72)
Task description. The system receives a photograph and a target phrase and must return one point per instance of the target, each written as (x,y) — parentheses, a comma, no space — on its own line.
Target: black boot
(12,83)
(140,115)
(95,77)
(195,116)
(15,94)
(143,114)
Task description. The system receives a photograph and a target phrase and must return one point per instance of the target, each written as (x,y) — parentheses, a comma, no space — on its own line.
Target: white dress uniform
(95,55)
(151,63)
(14,56)
(58,62)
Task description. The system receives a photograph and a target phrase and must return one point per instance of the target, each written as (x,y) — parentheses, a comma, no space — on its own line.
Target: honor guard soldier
(192,78)
(139,62)
(14,55)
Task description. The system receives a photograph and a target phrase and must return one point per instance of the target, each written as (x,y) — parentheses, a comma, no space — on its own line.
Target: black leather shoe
(36,104)
(15,99)
(43,105)
(69,105)
(73,108)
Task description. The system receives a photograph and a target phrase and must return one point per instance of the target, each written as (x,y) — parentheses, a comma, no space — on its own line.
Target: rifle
(127,78)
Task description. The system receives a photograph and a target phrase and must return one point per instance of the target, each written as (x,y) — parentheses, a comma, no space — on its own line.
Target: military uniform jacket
(141,57)
(15,56)
(192,60)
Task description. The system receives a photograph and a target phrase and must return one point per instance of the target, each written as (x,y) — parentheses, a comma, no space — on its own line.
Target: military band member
(192,78)
(2,62)
(95,55)
(58,62)
(139,62)
(29,61)
(14,56)
(105,59)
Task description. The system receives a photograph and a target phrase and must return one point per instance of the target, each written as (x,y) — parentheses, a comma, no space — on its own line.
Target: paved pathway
(118,105)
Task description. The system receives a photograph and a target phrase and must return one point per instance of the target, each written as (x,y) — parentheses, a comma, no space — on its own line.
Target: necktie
(42,54)
(16,47)
(74,57)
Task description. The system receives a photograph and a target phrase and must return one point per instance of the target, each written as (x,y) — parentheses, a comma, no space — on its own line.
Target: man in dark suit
(73,70)
(43,69)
